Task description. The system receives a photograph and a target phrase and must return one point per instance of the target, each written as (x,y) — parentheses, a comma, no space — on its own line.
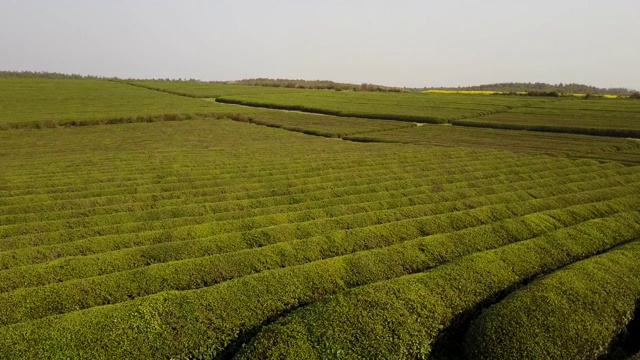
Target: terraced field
(50,103)
(199,89)
(47,103)
(312,124)
(422,108)
(617,118)
(216,238)
(604,117)
(606,287)
(573,145)
(608,114)
(597,117)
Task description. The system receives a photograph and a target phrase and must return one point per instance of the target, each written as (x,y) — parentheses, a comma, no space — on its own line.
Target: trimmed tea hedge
(574,313)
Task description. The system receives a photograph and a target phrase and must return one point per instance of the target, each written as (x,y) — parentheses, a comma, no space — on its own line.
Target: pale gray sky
(411,43)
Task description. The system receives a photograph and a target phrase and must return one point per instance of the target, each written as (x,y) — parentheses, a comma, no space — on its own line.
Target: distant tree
(316,84)
(635,95)
(535,89)
(43,75)
(543,93)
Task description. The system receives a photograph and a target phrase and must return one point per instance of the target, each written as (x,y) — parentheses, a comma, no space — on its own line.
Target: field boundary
(623,133)
(179,93)
(312,110)
(50,124)
(463,122)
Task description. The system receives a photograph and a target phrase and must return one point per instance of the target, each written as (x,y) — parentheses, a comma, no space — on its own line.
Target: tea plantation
(146,220)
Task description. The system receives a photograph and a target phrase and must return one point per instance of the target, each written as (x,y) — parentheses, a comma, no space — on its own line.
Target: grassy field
(598,117)
(311,124)
(431,108)
(584,146)
(565,115)
(243,234)
(598,294)
(415,107)
(51,102)
(198,89)
(607,114)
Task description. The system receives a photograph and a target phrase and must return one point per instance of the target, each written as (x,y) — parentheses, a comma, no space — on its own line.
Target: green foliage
(402,317)
(174,250)
(619,118)
(46,103)
(170,238)
(173,323)
(624,133)
(543,87)
(615,118)
(316,84)
(574,313)
(543,93)
(43,75)
(94,238)
(623,150)
(421,108)
(197,271)
(320,125)
(609,118)
(199,89)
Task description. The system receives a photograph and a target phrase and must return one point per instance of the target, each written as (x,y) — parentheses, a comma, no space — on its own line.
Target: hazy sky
(411,43)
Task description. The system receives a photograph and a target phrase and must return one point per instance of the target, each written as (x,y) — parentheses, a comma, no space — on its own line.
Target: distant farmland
(158,219)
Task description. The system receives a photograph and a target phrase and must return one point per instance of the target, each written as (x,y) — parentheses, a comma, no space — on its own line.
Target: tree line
(316,84)
(543,89)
